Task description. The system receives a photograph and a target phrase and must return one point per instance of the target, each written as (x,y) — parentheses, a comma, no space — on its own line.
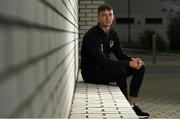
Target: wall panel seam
(57,11)
(11,21)
(40,87)
(19,67)
(69,11)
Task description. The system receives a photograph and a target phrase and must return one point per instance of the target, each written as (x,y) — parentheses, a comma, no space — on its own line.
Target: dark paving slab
(160,92)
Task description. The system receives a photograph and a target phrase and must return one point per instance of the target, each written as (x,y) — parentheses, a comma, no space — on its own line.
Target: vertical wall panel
(38,57)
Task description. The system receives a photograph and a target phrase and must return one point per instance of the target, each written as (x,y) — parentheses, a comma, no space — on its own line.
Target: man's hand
(136,63)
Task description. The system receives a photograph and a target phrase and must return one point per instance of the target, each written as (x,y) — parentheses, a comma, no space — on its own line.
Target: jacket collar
(101,30)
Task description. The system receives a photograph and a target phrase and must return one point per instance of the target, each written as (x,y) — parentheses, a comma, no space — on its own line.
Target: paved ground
(160,92)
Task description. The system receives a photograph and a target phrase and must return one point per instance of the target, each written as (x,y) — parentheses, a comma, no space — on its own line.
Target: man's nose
(107,17)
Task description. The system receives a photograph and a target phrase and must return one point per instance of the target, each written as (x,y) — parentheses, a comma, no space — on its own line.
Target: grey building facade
(143,14)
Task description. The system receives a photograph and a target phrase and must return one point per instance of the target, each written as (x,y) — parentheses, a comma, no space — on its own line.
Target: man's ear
(113,18)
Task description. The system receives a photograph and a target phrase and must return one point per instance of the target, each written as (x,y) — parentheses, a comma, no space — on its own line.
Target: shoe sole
(143,117)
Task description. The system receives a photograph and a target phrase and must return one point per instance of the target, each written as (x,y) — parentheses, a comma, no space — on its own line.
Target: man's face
(105,18)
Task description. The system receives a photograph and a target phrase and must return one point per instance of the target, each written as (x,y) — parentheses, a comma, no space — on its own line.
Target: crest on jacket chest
(111,43)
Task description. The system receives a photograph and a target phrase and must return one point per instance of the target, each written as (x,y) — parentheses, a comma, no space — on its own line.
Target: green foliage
(146,40)
(161,45)
(174,33)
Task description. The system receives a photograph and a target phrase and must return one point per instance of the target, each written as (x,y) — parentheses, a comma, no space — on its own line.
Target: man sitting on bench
(97,66)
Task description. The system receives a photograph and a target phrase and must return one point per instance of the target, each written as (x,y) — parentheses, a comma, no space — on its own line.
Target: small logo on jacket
(111,43)
(102,47)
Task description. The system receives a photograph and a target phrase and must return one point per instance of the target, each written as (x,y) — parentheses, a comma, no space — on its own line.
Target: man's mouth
(107,22)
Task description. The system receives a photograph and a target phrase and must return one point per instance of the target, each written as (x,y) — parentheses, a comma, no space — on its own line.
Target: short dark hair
(104,7)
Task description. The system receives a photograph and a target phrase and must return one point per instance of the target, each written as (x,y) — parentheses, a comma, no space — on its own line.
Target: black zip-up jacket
(97,46)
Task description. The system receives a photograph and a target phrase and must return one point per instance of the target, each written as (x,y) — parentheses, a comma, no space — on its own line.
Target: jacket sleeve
(94,49)
(118,50)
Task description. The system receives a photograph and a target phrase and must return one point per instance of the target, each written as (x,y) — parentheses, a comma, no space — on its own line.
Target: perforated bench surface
(100,102)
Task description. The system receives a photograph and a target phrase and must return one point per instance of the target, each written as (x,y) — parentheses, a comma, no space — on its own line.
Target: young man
(98,67)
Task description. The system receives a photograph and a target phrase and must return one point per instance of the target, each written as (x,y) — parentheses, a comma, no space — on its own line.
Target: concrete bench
(99,102)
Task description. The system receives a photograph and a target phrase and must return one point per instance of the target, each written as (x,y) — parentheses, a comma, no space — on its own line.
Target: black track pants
(116,74)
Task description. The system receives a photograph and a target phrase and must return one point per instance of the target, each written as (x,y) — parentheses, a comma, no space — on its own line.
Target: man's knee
(139,72)
(142,69)
(120,71)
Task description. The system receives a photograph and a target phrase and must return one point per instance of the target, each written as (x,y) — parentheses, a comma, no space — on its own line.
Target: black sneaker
(140,113)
